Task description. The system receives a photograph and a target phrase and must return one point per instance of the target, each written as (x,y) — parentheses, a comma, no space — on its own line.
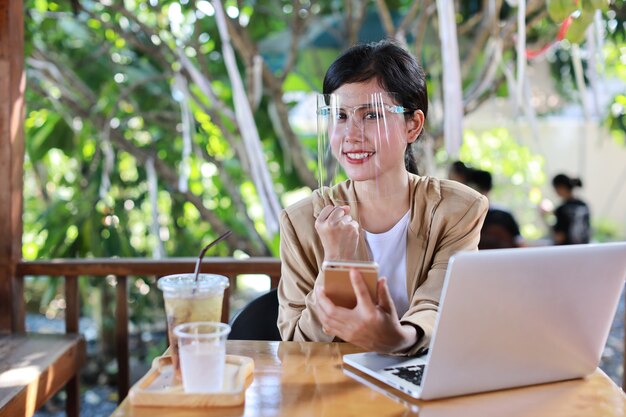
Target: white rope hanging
(493,51)
(529,110)
(493,54)
(593,58)
(507,69)
(181,94)
(257,81)
(600,33)
(580,80)
(249,133)
(520,46)
(272,111)
(158,252)
(203,83)
(452,91)
(109,160)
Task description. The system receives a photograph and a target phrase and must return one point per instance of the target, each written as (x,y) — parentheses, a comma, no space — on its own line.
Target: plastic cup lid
(185,282)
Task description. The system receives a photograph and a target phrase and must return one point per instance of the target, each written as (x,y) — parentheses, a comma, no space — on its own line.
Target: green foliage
(617,119)
(605,230)
(612,25)
(616,67)
(576,31)
(517,174)
(559,10)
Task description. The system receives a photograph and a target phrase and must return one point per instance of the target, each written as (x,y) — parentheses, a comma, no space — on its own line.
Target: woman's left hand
(375,327)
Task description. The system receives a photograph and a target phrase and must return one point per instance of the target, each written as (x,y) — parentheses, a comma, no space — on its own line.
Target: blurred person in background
(458,172)
(572,225)
(499,230)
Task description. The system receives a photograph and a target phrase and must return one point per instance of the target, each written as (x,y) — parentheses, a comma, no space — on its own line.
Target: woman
(572,216)
(428,219)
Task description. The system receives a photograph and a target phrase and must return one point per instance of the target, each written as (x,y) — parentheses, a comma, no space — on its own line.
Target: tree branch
(297,27)
(421,26)
(355,15)
(385,17)
(409,17)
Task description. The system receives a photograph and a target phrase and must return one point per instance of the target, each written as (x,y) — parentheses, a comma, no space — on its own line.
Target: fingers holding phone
(384,299)
(344,285)
(348,283)
(371,322)
(338,231)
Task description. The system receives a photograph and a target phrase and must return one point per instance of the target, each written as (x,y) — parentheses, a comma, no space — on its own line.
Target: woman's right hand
(339,233)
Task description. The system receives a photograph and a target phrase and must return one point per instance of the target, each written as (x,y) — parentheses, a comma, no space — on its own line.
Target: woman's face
(369,132)
(562,191)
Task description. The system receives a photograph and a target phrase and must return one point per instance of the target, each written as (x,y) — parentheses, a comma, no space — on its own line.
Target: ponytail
(409,160)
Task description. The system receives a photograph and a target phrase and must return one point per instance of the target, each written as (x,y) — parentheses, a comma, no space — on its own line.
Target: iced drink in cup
(202,350)
(190,300)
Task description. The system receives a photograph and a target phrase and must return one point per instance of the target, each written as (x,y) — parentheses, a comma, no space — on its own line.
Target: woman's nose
(353,132)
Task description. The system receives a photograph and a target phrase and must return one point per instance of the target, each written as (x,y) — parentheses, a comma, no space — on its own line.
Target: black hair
(396,70)
(460,169)
(562,180)
(479,179)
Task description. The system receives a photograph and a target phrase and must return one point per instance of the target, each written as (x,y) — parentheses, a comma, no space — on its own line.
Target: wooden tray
(155,389)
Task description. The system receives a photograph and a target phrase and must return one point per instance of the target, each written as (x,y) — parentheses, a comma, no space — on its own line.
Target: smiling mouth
(358,156)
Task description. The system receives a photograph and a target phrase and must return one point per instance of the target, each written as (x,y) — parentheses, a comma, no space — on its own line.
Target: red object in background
(530,54)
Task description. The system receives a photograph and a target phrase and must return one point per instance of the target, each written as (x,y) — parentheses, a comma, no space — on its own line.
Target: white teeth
(358,155)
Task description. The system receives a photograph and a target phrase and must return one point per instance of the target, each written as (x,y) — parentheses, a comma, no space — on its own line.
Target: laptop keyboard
(412,373)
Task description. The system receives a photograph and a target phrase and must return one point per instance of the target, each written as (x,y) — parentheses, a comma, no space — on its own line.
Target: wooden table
(33,367)
(307,379)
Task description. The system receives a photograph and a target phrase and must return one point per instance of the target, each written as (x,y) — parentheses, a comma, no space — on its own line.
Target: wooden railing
(122,269)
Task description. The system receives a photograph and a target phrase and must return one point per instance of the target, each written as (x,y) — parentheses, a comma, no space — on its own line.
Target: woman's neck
(383,202)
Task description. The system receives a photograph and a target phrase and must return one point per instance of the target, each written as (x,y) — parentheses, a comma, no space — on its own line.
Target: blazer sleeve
(296,318)
(462,233)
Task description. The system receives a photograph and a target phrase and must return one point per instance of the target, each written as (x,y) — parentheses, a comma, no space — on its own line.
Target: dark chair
(257,320)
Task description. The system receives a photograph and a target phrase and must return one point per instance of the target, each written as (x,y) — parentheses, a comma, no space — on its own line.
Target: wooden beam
(12,87)
(144,266)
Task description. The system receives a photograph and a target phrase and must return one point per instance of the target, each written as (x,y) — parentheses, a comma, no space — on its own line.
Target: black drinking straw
(206,248)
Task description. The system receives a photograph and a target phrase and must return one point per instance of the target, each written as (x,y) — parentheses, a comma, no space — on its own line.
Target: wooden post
(72,314)
(12,86)
(121,337)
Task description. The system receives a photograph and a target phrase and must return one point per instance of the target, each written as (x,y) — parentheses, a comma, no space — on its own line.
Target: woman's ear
(415,125)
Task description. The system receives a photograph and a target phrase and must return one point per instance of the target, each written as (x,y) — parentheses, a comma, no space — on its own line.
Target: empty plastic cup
(202,351)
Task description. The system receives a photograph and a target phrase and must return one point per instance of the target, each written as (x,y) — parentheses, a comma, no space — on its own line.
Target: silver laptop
(510,318)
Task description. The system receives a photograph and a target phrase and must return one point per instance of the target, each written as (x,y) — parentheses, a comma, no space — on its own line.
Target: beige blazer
(445,218)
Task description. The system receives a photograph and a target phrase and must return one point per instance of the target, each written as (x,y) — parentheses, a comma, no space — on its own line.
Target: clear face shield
(361,137)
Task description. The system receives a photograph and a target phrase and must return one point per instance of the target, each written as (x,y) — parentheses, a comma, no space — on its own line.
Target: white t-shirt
(389,251)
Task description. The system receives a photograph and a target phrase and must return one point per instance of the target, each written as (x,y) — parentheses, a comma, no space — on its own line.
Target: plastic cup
(202,350)
(187,300)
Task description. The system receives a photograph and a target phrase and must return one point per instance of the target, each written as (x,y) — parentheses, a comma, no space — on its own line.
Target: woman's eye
(341,116)
(372,115)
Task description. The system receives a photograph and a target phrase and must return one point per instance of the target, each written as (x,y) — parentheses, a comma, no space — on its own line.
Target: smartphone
(337,285)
